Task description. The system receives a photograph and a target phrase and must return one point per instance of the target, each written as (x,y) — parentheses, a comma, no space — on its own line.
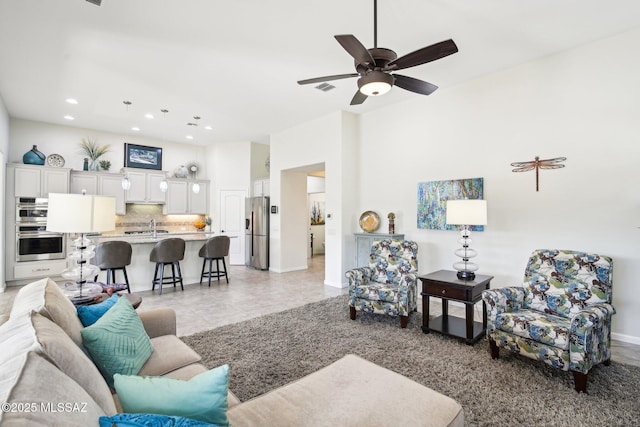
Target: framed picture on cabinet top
(143,157)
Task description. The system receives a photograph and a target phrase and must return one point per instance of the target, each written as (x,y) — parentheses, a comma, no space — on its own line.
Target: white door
(232,222)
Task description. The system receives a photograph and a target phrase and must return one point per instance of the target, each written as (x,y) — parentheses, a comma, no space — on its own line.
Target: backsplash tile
(139,216)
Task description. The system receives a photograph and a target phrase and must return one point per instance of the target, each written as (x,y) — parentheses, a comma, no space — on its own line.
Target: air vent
(325,87)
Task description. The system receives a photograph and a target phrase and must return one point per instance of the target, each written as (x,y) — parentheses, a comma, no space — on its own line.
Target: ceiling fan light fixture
(375,83)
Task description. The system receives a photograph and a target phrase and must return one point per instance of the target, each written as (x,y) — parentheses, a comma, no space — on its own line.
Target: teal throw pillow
(89,314)
(202,398)
(150,420)
(117,342)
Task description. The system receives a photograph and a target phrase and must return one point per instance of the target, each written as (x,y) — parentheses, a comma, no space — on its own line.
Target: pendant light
(126,183)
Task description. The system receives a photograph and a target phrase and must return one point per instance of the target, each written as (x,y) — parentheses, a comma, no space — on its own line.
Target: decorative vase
(181,172)
(33,157)
(94,165)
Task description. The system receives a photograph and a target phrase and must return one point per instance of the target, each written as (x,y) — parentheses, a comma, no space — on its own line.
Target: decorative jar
(33,157)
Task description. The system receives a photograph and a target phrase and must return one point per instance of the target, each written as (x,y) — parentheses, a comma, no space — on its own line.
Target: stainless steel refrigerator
(257,233)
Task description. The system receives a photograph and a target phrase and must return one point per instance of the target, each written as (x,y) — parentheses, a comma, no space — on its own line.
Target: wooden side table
(444,284)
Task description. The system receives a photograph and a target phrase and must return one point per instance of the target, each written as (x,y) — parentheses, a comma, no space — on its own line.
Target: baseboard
(287,270)
(625,338)
(336,285)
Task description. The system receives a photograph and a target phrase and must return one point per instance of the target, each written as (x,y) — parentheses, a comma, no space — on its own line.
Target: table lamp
(81,214)
(465,213)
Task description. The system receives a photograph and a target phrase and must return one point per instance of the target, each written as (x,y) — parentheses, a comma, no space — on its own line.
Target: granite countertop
(188,236)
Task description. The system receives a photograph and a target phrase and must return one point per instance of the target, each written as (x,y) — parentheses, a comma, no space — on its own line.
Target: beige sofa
(43,362)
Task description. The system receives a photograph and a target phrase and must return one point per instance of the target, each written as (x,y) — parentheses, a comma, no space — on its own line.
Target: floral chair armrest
(590,337)
(409,279)
(501,300)
(358,276)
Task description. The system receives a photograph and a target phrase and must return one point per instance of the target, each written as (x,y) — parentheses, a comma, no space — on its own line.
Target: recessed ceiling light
(149,116)
(69,117)
(72,101)
(135,128)
(208,128)
(189,137)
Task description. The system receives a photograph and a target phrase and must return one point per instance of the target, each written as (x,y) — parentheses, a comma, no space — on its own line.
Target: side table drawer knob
(444,291)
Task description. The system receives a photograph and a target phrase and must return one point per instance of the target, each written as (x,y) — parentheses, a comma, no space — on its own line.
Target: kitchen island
(140,271)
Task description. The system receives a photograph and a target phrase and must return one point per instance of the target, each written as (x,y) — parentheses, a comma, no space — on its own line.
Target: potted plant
(105,164)
(93,151)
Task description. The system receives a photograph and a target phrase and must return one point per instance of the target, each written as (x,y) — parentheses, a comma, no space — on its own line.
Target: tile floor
(251,293)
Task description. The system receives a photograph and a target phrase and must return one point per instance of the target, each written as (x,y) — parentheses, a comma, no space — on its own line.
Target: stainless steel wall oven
(33,241)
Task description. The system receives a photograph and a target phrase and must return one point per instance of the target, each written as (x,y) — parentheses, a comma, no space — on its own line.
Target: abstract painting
(317,213)
(433,196)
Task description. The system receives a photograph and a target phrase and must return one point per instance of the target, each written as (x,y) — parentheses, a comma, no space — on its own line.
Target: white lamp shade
(467,212)
(78,213)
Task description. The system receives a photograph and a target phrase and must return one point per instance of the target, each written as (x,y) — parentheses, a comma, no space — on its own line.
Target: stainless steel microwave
(31,210)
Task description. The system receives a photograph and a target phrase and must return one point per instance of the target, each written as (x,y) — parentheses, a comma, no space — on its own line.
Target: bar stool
(215,248)
(167,251)
(113,256)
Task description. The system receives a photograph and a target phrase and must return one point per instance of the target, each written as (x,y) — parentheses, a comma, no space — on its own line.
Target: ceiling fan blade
(327,78)
(424,55)
(414,85)
(355,49)
(358,98)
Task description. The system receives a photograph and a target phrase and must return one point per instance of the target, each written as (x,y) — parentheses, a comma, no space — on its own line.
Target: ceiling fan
(374,66)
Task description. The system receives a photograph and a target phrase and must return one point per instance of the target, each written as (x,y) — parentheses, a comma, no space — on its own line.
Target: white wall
(259,155)
(65,140)
(4,149)
(331,140)
(230,169)
(4,129)
(581,104)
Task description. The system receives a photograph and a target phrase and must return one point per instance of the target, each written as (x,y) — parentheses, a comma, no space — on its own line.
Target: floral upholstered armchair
(561,315)
(389,284)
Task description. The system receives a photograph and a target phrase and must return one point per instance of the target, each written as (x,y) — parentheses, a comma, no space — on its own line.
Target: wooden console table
(444,284)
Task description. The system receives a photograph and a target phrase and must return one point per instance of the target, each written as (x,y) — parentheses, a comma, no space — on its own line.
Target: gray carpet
(270,351)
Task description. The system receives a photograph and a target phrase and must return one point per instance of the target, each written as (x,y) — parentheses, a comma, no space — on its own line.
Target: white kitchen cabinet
(261,187)
(177,198)
(100,183)
(199,202)
(111,185)
(182,200)
(38,181)
(145,187)
(38,269)
(83,181)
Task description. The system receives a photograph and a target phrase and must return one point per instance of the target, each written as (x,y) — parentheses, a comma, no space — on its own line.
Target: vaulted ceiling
(235,64)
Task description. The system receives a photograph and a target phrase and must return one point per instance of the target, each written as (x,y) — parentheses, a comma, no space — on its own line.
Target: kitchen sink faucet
(152,227)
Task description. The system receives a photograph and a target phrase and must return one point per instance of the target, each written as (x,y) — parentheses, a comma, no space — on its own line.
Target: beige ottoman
(349,392)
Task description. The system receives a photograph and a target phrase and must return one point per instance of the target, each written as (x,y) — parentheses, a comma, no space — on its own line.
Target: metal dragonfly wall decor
(538,164)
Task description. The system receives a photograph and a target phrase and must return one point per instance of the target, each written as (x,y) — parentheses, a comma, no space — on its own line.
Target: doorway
(295,215)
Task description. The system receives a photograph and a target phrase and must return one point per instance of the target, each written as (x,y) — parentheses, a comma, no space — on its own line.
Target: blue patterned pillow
(117,342)
(89,314)
(150,420)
